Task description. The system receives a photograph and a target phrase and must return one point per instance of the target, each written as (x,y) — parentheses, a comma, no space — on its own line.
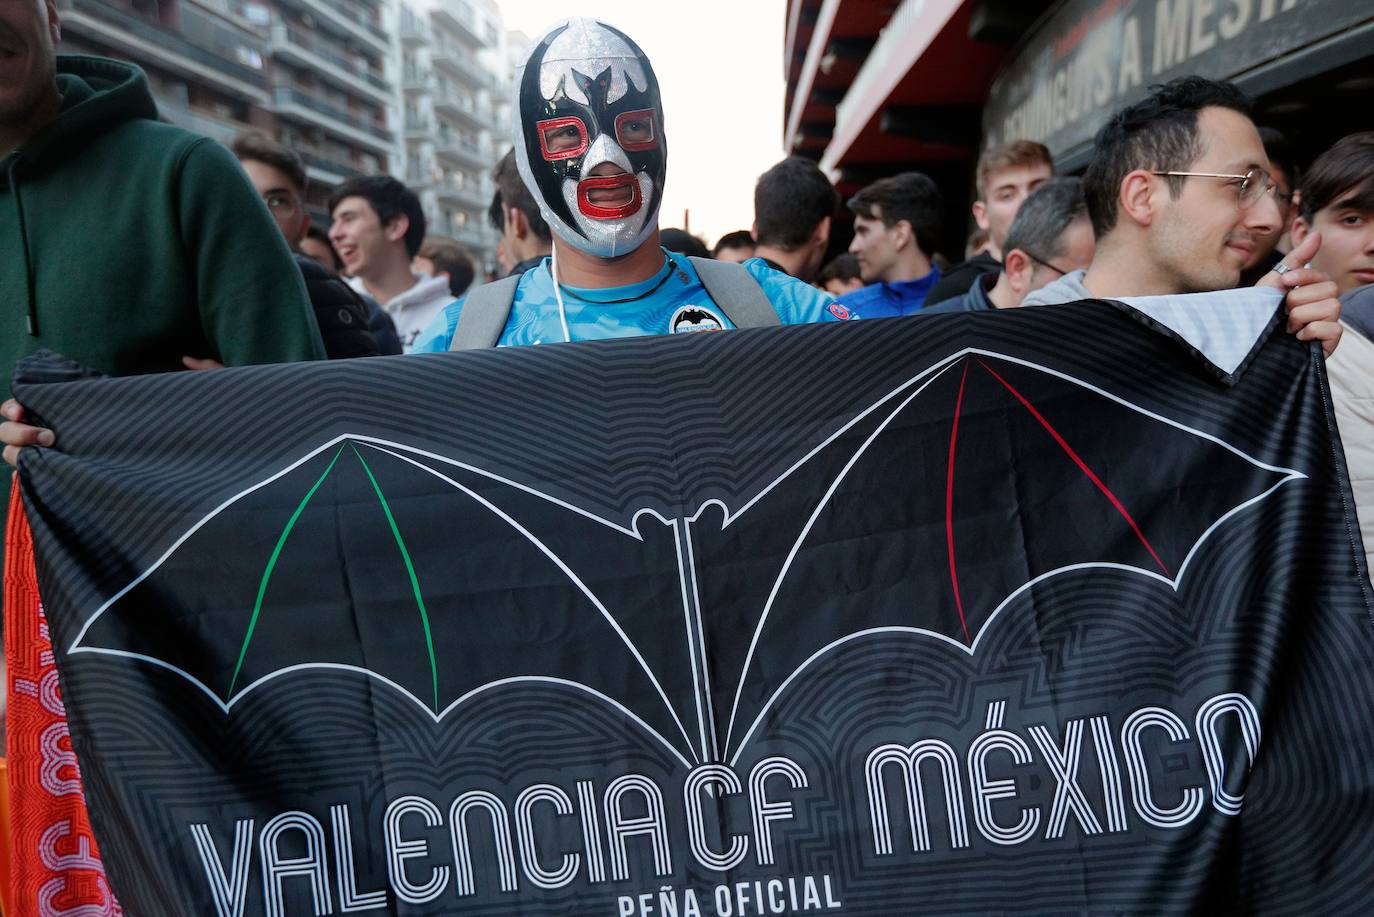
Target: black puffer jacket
(383,328)
(341,313)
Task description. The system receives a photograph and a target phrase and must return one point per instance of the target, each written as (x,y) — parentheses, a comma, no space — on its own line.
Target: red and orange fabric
(54,866)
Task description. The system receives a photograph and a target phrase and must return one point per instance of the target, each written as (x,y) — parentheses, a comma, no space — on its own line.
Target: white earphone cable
(558,295)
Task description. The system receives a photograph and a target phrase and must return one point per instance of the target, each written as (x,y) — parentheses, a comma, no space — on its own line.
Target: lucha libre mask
(587,96)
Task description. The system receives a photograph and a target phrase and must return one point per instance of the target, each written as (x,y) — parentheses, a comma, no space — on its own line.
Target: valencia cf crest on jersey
(689,319)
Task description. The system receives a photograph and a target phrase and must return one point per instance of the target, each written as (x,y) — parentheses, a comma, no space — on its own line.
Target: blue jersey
(673,301)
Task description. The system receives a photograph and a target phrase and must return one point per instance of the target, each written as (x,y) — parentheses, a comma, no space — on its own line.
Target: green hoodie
(126,244)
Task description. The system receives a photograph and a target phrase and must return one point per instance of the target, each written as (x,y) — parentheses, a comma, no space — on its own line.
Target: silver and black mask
(589,142)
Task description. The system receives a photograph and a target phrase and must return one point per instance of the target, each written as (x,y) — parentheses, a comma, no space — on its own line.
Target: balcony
(461,66)
(217,128)
(413,31)
(312,54)
(419,128)
(462,154)
(463,196)
(229,65)
(454,109)
(347,17)
(413,81)
(335,170)
(303,106)
(247,13)
(463,27)
(474,238)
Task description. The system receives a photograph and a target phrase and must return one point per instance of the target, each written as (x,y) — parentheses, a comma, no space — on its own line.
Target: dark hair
(1158,133)
(910,196)
(390,199)
(1281,154)
(258,147)
(1044,215)
(496,217)
(320,235)
(451,258)
(841,267)
(511,191)
(683,242)
(1349,164)
(740,238)
(1017,153)
(790,200)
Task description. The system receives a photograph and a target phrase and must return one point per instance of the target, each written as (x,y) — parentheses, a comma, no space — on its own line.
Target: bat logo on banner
(921,514)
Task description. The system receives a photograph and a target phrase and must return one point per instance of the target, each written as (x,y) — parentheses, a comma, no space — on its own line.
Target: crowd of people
(1034,228)
(137,246)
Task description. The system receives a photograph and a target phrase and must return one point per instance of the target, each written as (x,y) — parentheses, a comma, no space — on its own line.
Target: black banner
(979,613)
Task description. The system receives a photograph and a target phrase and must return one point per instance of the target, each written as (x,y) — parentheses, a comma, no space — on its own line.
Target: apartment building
(207,61)
(451,64)
(332,94)
(415,88)
(313,73)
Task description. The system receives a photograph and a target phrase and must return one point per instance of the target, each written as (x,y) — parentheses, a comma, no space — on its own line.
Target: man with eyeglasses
(1179,193)
(350,325)
(1050,238)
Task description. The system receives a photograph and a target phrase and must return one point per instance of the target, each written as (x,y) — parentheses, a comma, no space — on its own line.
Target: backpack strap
(737,293)
(486,309)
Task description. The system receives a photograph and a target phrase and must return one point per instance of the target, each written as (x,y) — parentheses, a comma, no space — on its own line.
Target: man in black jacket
(343,314)
(350,325)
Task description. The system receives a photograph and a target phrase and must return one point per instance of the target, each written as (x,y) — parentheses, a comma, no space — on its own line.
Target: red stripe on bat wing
(1083,466)
(949,503)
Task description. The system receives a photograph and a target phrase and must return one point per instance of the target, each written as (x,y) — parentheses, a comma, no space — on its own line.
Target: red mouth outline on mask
(611,182)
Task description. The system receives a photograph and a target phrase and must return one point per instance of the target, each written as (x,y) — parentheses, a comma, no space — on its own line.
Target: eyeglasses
(280,203)
(1252,186)
(1042,262)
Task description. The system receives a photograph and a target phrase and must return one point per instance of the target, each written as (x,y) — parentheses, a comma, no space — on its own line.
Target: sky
(719,65)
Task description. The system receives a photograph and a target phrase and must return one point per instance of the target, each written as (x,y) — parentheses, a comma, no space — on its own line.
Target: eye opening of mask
(561,138)
(636,130)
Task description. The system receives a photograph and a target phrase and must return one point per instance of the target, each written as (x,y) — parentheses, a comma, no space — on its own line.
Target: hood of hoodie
(97,95)
(426,290)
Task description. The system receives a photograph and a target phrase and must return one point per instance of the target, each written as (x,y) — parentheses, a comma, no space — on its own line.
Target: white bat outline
(687,566)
